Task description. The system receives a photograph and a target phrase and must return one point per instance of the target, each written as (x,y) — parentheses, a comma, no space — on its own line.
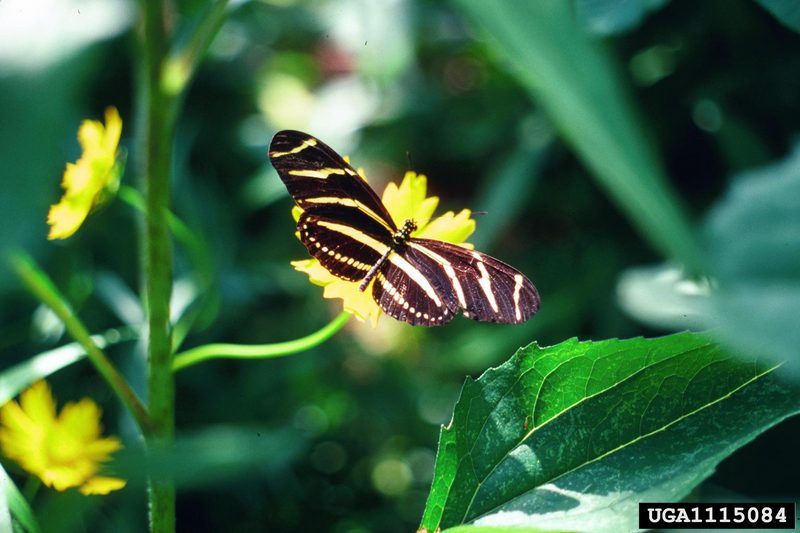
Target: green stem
(43,288)
(160,94)
(158,112)
(259,351)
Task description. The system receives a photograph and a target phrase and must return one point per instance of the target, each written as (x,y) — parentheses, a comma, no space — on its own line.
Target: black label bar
(717,515)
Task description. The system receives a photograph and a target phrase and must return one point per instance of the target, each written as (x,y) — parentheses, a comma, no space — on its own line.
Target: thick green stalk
(43,288)
(158,123)
(159,100)
(259,351)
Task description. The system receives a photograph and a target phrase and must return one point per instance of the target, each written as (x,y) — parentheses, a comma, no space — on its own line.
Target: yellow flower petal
(65,463)
(406,201)
(296,212)
(66,217)
(80,419)
(100,450)
(38,404)
(90,135)
(15,422)
(113,128)
(76,177)
(92,179)
(64,478)
(354,301)
(361,304)
(102,485)
(14,419)
(317,274)
(450,228)
(64,450)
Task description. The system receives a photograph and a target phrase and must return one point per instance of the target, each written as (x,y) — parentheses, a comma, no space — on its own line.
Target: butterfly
(347,228)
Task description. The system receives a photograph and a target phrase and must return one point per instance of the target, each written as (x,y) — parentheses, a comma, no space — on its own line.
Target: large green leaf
(786,11)
(578,86)
(754,248)
(573,436)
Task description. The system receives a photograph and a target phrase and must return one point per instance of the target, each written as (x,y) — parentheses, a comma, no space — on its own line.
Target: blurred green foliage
(754,242)
(680,98)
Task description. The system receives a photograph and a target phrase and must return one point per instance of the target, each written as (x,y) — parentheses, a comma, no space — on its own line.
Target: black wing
(317,177)
(412,287)
(483,287)
(345,241)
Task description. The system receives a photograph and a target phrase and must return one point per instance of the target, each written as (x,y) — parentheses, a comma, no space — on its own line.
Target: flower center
(62,447)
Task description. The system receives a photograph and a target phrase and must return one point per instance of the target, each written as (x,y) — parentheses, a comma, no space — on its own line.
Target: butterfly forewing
(316,176)
(485,288)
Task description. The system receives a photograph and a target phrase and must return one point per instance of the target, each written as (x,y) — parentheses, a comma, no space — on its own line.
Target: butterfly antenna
(422,223)
(413,207)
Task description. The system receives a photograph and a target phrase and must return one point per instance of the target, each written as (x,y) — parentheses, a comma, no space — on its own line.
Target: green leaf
(5,512)
(14,501)
(786,11)
(19,377)
(607,17)
(573,436)
(577,84)
(754,248)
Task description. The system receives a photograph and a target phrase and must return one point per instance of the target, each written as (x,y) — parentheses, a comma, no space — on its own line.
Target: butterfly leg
(374,270)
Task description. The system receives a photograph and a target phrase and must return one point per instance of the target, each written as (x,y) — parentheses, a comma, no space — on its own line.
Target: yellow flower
(91,180)
(408,201)
(63,451)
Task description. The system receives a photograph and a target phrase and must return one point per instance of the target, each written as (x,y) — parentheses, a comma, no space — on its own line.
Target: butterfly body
(347,228)
(399,240)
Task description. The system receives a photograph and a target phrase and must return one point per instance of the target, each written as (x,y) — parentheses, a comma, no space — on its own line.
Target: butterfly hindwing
(411,287)
(485,288)
(316,176)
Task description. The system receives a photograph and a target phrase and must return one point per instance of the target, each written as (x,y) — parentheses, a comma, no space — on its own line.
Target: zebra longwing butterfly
(347,228)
